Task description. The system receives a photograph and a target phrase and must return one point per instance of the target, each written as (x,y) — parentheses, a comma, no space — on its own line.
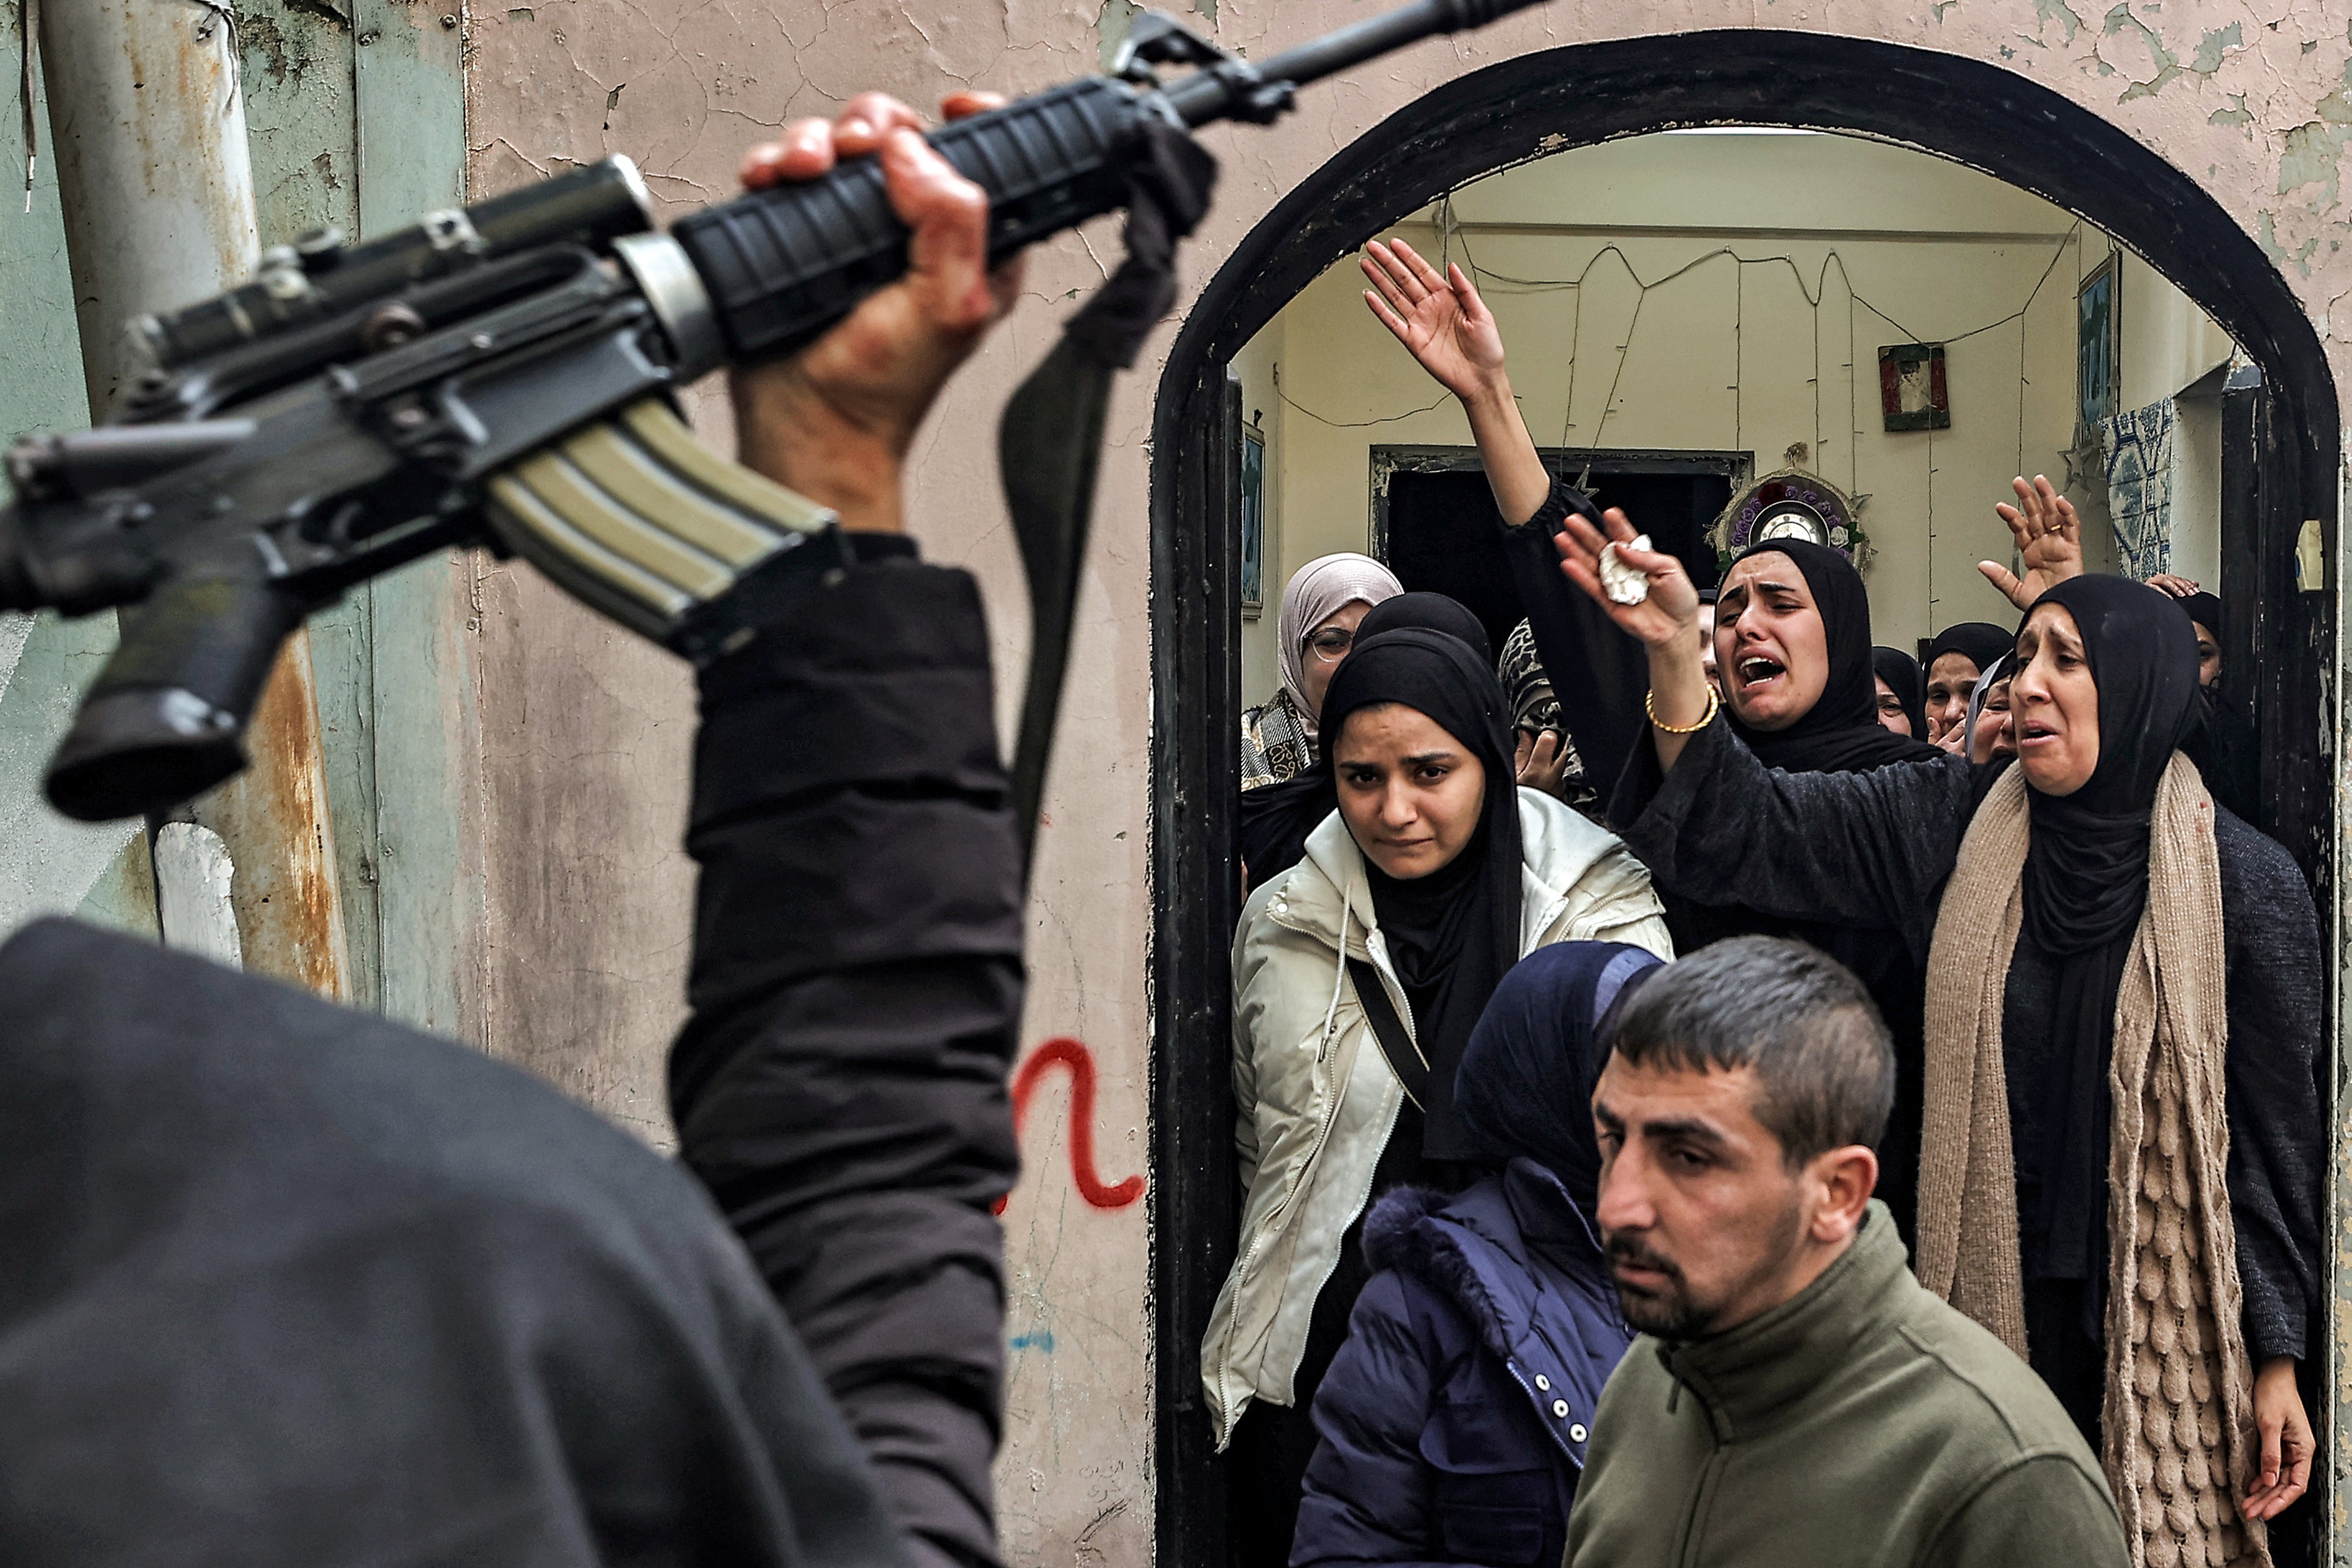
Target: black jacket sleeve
(2278,1143)
(855,988)
(1869,849)
(1597,671)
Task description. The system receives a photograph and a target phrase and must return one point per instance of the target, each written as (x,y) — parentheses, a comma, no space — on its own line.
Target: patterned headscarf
(1533,704)
(1317,592)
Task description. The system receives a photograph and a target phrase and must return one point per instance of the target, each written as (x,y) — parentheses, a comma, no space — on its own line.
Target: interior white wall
(1254,367)
(1733,357)
(2172,348)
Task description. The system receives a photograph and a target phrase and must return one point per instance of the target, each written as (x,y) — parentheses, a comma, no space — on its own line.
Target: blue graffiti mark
(1043,1339)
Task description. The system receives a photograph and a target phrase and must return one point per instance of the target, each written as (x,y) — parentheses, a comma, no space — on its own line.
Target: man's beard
(1667,1310)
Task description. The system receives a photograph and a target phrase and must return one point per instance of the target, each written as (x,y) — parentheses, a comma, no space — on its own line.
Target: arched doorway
(1966,110)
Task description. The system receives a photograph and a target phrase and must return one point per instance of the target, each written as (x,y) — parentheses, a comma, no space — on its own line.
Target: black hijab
(1525,1088)
(1901,673)
(1277,818)
(1452,933)
(1979,642)
(2085,888)
(2205,609)
(1841,732)
(1431,612)
(2227,745)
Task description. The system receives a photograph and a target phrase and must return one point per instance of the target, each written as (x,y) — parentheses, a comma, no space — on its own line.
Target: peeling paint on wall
(1111,25)
(49,865)
(2057,11)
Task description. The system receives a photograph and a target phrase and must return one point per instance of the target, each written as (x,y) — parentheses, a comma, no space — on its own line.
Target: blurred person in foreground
(1797,1397)
(283,1285)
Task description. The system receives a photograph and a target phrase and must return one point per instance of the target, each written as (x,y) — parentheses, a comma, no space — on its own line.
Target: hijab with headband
(1454,933)
(1317,592)
(1841,732)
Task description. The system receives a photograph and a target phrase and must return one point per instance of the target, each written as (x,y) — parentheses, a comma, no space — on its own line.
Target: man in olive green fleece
(1796,1397)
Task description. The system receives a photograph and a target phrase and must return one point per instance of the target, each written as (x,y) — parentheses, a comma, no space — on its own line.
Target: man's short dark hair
(1798,1016)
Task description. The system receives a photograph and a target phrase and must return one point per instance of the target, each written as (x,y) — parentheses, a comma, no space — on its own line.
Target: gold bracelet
(1665,728)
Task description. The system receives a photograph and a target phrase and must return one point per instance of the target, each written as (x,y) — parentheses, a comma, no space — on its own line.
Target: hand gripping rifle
(501,376)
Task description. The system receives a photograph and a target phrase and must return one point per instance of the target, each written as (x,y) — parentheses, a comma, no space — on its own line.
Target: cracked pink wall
(589,734)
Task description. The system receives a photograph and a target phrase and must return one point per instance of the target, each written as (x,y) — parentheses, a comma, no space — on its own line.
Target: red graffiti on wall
(1074,1056)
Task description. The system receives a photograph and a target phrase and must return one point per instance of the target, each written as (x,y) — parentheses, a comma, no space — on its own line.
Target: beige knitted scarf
(2178,1418)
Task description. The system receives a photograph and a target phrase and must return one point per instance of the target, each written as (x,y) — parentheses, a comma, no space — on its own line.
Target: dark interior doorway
(1969,111)
(1434,517)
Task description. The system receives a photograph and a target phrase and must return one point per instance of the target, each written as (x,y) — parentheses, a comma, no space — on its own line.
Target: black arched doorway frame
(2281,642)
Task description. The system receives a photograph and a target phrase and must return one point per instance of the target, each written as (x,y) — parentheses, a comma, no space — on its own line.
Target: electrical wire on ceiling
(1351,424)
(1451,235)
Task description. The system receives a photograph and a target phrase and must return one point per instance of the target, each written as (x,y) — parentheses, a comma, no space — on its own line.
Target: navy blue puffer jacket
(1454,1420)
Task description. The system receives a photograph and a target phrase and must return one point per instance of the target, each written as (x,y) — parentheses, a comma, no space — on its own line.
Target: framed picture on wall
(2099,344)
(1912,391)
(1253,522)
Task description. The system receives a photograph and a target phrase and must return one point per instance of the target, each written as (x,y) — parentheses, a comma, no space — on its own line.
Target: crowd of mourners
(1713,1090)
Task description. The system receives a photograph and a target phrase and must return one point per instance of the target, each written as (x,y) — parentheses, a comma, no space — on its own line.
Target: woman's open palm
(1668,615)
(2049,542)
(1439,318)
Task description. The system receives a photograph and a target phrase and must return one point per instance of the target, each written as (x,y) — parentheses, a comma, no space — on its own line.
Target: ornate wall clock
(1791,503)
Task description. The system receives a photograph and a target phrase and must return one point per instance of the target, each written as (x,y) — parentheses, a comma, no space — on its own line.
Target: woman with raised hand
(1321,606)
(2123,1153)
(1357,974)
(1792,645)
(1446,327)
(1452,1424)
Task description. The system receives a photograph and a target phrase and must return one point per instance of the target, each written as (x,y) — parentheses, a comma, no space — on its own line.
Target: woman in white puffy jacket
(1435,875)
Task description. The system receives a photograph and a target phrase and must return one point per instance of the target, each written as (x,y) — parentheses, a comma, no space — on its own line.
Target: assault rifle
(501,376)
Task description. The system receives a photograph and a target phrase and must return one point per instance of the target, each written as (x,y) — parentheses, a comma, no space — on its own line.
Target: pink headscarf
(1317,592)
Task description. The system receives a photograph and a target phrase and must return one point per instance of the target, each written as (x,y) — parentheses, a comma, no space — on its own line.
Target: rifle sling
(1049,444)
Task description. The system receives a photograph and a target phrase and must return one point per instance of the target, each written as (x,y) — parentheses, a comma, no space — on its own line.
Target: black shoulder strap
(1403,1056)
(1050,441)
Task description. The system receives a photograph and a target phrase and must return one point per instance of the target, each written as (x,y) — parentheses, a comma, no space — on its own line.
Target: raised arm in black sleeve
(1598,672)
(1870,850)
(856,986)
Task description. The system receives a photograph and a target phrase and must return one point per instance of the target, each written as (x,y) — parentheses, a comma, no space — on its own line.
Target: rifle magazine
(637,518)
